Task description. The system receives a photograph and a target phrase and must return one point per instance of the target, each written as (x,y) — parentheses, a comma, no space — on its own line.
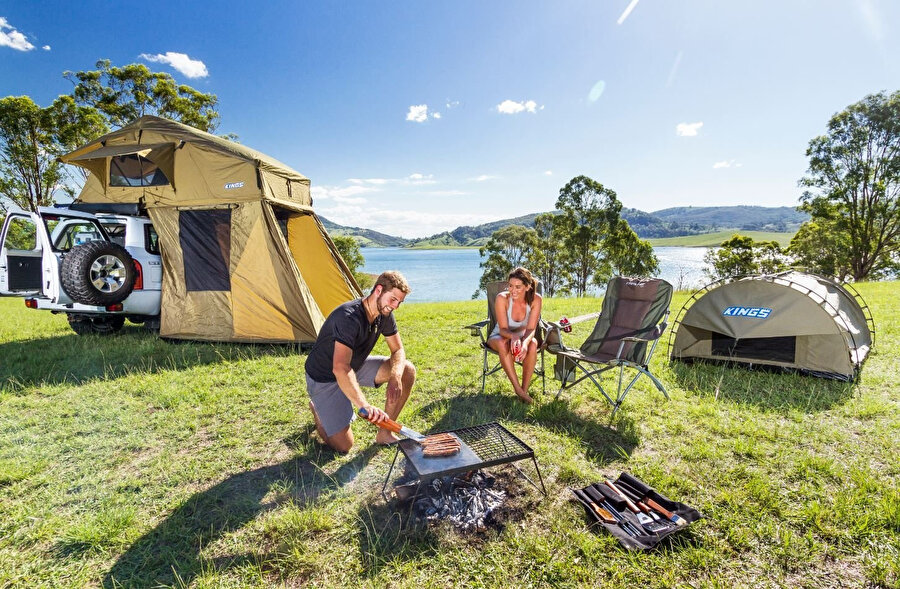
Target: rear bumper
(140,302)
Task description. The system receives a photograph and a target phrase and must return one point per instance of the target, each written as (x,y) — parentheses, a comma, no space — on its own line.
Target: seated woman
(518,310)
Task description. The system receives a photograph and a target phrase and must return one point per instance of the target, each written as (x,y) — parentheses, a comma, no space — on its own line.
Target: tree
(552,274)
(31,140)
(628,254)
(349,249)
(589,213)
(740,256)
(507,248)
(820,247)
(124,94)
(854,182)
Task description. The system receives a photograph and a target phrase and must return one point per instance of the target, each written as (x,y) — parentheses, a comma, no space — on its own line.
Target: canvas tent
(244,256)
(790,320)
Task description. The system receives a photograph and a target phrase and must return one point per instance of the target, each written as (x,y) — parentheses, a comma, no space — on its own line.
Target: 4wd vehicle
(98,264)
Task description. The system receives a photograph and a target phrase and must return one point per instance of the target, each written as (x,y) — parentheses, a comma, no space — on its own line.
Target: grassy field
(135,462)
(716,239)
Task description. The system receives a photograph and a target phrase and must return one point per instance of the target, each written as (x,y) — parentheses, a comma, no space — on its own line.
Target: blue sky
(414,118)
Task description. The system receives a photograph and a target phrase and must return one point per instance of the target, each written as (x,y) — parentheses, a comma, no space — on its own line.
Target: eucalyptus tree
(853,184)
(126,93)
(552,273)
(508,247)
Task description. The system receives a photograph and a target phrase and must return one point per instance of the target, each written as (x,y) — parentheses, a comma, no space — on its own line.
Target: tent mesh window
(205,238)
(778,349)
(134,170)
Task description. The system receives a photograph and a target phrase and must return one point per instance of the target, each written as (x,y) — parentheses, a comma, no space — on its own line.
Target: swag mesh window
(205,238)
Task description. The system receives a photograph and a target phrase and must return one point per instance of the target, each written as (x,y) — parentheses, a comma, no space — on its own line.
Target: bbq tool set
(632,511)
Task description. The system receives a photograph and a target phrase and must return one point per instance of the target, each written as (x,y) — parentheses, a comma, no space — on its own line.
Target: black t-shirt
(349,325)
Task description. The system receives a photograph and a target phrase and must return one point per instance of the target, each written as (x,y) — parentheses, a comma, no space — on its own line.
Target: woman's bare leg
(528,365)
(501,346)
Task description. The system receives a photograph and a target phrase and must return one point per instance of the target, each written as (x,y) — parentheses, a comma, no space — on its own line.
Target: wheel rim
(108,274)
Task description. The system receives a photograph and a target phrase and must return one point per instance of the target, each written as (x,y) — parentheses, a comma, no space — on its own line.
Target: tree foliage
(820,246)
(31,140)
(628,254)
(507,248)
(126,93)
(740,256)
(853,185)
(349,249)
(552,273)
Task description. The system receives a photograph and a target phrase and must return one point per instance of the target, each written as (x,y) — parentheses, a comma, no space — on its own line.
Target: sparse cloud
(673,71)
(688,129)
(418,113)
(343,194)
(548,173)
(511,107)
(405,223)
(727,164)
(191,68)
(435,115)
(483,178)
(46,48)
(414,179)
(873,20)
(451,104)
(10,37)
(627,11)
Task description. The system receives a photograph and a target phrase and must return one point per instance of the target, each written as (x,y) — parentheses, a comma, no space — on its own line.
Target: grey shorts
(334,408)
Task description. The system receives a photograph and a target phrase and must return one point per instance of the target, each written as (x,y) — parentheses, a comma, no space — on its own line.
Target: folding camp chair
(632,318)
(483,330)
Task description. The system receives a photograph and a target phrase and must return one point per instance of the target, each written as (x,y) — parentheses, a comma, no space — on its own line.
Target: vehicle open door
(22,250)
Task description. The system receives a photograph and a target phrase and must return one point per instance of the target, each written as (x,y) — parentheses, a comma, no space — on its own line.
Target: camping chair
(632,318)
(483,330)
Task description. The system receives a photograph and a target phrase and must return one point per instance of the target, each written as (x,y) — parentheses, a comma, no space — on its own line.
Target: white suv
(98,264)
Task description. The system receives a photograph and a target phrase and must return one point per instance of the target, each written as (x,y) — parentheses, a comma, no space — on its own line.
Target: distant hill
(666,223)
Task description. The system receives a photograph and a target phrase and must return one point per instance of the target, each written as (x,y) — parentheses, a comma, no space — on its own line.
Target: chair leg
(543,374)
(484,370)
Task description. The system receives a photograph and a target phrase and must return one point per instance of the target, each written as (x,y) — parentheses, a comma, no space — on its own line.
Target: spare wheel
(97,273)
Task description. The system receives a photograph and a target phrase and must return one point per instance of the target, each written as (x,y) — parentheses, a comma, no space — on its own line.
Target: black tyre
(98,273)
(87,324)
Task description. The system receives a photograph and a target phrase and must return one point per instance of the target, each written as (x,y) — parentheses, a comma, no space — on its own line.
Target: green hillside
(716,238)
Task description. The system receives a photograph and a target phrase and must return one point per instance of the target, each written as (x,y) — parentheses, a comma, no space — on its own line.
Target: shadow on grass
(73,359)
(773,390)
(170,553)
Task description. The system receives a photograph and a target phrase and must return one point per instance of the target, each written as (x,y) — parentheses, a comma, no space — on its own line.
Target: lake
(453,274)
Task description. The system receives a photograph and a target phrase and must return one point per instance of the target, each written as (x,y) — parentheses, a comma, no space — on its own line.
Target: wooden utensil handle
(388,423)
(624,497)
(659,508)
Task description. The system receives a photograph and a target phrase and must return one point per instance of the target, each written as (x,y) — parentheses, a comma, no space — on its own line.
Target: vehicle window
(151,240)
(68,232)
(134,170)
(21,234)
(116,231)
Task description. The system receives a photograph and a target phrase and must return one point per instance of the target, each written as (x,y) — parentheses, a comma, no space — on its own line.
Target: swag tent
(789,320)
(244,256)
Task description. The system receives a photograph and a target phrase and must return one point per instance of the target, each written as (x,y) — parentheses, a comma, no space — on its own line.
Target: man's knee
(341,441)
(409,370)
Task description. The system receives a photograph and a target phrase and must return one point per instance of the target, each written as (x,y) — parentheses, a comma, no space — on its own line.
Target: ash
(467,500)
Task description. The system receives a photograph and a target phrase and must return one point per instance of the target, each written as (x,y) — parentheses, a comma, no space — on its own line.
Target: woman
(518,310)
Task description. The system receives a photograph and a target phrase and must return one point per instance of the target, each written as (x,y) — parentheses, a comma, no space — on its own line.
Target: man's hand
(374,414)
(394,388)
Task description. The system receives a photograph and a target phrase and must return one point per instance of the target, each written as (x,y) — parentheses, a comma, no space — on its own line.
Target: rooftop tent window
(133,170)
(205,238)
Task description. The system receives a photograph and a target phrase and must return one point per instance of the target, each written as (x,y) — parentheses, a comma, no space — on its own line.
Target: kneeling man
(339,364)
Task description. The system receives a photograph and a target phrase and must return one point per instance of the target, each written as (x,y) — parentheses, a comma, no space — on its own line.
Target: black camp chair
(483,329)
(628,327)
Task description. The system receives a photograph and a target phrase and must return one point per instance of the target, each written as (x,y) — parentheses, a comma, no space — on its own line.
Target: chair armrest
(477,329)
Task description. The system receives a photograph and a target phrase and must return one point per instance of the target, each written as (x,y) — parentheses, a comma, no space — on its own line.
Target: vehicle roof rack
(115,208)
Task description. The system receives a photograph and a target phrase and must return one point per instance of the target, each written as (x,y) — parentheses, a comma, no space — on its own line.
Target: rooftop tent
(790,320)
(245,258)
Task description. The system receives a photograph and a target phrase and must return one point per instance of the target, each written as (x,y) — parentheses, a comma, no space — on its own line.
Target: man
(339,364)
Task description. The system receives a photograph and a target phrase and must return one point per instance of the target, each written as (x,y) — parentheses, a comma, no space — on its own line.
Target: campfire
(468,500)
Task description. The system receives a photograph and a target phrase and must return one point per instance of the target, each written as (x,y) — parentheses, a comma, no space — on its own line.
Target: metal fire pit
(484,445)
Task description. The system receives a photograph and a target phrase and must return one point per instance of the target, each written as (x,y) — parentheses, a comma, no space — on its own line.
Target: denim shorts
(332,405)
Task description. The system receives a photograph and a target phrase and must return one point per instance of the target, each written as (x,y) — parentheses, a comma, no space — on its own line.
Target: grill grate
(493,442)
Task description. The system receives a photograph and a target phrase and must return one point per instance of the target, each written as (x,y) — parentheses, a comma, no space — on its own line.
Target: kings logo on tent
(757,312)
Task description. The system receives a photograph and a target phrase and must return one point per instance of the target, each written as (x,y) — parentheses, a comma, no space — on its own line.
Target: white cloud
(726,164)
(418,179)
(452,104)
(405,223)
(192,68)
(340,194)
(483,178)
(511,107)
(435,115)
(548,173)
(377,181)
(418,113)
(627,11)
(688,129)
(873,20)
(10,37)
(46,48)
(411,179)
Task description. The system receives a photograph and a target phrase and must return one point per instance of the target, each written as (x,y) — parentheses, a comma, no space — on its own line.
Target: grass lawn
(135,462)
(716,239)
